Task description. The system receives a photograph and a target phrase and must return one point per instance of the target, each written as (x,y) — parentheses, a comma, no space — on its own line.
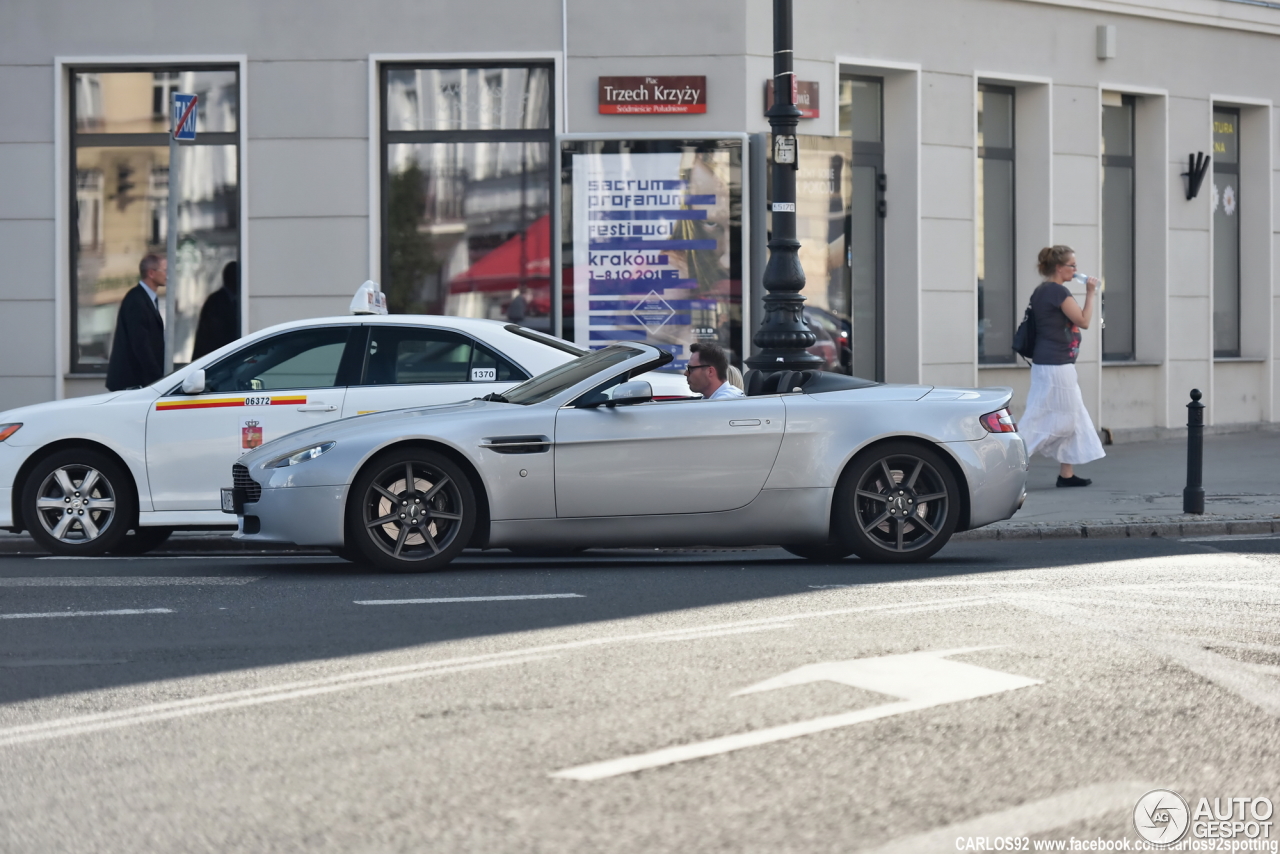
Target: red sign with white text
(804,94)
(652,95)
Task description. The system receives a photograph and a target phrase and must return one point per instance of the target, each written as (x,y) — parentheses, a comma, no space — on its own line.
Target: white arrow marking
(922,679)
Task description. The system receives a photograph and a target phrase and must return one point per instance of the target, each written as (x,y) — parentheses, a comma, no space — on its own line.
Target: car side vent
(517,444)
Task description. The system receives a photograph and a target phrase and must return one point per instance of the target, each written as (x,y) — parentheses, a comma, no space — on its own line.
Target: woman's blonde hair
(1052,257)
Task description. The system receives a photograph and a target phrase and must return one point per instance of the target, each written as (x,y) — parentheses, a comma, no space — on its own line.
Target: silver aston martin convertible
(825,465)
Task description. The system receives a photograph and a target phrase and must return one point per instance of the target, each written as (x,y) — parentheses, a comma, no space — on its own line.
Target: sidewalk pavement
(1136,492)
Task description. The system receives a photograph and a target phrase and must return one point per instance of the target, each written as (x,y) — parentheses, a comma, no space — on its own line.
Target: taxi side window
(484,360)
(399,355)
(303,358)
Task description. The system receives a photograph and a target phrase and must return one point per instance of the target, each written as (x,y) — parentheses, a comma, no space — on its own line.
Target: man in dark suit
(137,350)
(220,316)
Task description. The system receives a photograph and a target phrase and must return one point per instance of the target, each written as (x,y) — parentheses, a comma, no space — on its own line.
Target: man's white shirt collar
(726,390)
(155,300)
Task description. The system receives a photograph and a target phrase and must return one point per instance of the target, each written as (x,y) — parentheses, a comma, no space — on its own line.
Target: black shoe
(1074,480)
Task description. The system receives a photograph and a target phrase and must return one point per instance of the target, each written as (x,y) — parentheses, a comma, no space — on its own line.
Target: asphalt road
(634,701)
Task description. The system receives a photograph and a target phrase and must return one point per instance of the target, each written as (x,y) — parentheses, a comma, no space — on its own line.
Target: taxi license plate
(228,500)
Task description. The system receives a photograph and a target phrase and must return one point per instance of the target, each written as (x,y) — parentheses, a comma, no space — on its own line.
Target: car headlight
(7,430)
(301,456)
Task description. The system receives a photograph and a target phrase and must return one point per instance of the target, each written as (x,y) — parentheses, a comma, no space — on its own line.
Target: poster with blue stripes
(651,249)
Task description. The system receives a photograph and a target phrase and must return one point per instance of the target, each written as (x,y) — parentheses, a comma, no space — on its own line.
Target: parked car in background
(81,474)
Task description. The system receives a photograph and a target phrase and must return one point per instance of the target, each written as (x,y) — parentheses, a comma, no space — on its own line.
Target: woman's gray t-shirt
(1057,338)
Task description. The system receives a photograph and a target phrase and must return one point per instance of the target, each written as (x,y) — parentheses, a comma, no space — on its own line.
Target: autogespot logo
(1161,817)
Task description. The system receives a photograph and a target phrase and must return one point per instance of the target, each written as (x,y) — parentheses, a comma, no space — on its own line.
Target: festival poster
(651,250)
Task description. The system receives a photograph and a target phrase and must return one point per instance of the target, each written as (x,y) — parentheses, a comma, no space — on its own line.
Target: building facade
(434,147)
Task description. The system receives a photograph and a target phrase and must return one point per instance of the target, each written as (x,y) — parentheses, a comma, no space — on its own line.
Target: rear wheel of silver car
(896,503)
(78,502)
(411,511)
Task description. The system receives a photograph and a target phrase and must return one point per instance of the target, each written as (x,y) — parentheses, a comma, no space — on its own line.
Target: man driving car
(708,372)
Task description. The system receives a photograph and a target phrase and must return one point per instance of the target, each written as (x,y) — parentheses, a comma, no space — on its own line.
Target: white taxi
(81,474)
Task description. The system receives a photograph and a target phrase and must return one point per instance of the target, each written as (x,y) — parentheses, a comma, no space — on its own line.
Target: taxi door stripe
(215,403)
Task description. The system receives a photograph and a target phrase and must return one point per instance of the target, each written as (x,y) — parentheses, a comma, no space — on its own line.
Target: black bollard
(1193,495)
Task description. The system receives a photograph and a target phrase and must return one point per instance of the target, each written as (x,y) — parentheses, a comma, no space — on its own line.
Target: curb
(1123,530)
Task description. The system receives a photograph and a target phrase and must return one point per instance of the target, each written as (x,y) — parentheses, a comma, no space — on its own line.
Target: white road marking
(60,727)
(128,581)
(721,633)
(959,582)
(922,679)
(1227,538)
(468,599)
(1040,816)
(1131,605)
(125,612)
(83,724)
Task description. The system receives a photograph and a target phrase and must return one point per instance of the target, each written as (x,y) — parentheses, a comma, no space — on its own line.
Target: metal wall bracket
(1197,167)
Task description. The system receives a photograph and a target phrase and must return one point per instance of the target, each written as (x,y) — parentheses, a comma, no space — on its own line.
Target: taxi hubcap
(76,504)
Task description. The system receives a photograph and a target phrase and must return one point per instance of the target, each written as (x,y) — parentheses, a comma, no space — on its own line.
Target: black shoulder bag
(1024,340)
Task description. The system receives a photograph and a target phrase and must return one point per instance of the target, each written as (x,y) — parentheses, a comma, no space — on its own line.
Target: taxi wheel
(411,510)
(78,502)
(142,540)
(896,503)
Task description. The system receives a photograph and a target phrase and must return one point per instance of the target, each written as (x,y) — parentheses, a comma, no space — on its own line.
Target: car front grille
(241,480)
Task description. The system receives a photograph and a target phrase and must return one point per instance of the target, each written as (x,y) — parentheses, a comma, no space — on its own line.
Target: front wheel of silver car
(896,503)
(411,510)
(78,502)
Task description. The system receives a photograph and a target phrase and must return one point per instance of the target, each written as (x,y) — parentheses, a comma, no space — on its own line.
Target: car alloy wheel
(78,502)
(414,511)
(897,504)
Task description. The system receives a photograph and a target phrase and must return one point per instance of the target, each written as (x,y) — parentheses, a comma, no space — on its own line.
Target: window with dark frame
(997,295)
(467,171)
(1226,232)
(1118,224)
(119,190)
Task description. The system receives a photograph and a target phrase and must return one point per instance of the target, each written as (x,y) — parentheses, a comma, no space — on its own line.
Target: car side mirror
(637,391)
(194,383)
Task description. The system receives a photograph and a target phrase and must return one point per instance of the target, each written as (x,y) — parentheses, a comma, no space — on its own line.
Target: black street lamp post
(783,337)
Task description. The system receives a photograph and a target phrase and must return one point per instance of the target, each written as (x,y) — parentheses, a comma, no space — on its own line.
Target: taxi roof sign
(369,299)
(184,116)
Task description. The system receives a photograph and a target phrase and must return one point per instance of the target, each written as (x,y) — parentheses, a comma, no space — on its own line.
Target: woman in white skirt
(1056,424)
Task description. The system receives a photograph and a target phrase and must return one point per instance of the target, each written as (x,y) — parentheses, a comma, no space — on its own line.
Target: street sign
(184,117)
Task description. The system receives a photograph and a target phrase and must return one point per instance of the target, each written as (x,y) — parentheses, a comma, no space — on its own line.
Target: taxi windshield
(548,385)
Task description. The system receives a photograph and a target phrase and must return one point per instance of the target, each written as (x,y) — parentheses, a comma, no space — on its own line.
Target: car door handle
(317,407)
(746,422)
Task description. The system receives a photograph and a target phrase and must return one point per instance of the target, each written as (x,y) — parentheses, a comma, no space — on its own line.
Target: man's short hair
(713,355)
(150,263)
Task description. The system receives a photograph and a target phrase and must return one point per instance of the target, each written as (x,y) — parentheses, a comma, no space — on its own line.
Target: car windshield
(548,385)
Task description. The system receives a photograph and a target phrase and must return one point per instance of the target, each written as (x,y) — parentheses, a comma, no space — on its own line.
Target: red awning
(500,269)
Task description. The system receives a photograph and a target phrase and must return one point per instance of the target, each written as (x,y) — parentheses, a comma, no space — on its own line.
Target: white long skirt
(1056,424)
